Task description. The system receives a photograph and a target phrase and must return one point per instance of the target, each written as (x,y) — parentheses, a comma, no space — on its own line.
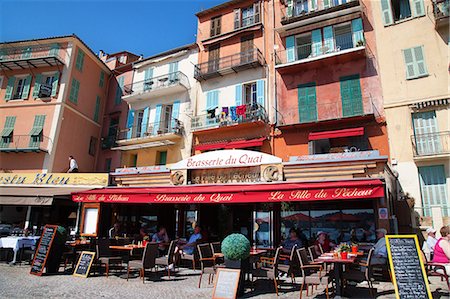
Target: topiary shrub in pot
(235,248)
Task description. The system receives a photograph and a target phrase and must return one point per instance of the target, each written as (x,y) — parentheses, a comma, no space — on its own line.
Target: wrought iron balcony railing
(431,144)
(157,83)
(24,143)
(173,126)
(441,9)
(33,56)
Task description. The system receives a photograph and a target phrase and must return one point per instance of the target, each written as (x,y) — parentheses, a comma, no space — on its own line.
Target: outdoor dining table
(125,247)
(16,243)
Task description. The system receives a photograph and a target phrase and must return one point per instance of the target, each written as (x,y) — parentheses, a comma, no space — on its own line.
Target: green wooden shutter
(27,52)
(386,12)
(26,88)
(415,62)
(433,186)
(36,131)
(102,79)
(328,38)
(419,8)
(409,63)
(97,109)
(419,57)
(307,102)
(148,76)
(7,131)
(162,158)
(290,48)
(119,90)
(55,84)
(74,89)
(290,8)
(54,50)
(326,4)
(425,133)
(351,96)
(80,60)
(37,86)
(10,88)
(316,42)
(357,32)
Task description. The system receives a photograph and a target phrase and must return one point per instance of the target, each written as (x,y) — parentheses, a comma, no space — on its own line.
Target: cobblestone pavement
(16,282)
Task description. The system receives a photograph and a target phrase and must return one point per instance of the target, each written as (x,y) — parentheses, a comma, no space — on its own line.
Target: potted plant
(354,247)
(344,249)
(236,250)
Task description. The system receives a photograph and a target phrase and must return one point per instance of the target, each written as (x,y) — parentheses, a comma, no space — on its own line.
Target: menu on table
(43,250)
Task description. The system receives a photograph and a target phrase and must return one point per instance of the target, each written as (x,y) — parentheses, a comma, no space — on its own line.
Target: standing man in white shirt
(73,166)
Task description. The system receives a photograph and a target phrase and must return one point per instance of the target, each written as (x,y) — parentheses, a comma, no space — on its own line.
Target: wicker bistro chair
(207,262)
(268,269)
(147,261)
(312,253)
(436,269)
(168,259)
(313,274)
(290,267)
(104,256)
(364,274)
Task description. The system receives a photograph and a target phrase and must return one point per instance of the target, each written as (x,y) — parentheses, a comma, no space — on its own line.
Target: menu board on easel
(226,284)
(84,264)
(43,249)
(408,272)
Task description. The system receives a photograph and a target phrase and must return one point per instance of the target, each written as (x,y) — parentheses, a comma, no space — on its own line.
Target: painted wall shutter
(425,133)
(130,122)
(237,18)
(173,69)
(415,62)
(26,88)
(409,63)
(307,103)
(290,48)
(36,131)
(54,50)
(326,4)
(420,61)
(55,84)
(290,8)
(7,131)
(238,94)
(316,40)
(80,60)
(175,115)
(37,86)
(157,119)
(97,109)
(386,12)
(144,124)
(357,31)
(119,90)
(148,76)
(328,38)
(351,96)
(433,187)
(10,88)
(419,8)
(260,91)
(313,5)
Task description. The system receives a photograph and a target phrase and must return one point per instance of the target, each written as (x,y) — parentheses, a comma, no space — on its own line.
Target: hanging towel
(240,110)
(211,113)
(233,113)
(225,110)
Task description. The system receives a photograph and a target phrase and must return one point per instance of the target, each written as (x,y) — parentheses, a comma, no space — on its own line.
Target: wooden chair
(268,269)
(435,269)
(358,275)
(147,261)
(289,267)
(104,256)
(207,262)
(313,274)
(168,259)
(216,248)
(312,253)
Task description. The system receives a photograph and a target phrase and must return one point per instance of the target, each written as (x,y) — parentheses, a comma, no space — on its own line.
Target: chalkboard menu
(84,264)
(226,284)
(43,249)
(409,276)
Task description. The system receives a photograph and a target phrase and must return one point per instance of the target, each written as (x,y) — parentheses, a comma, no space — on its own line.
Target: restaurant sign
(53,179)
(336,157)
(226,159)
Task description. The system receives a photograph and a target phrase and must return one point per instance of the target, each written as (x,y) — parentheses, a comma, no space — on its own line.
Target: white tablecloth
(15,243)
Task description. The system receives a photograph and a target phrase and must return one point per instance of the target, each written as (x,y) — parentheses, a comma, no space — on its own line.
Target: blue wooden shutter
(173,69)
(37,86)
(305,6)
(238,95)
(419,8)
(386,12)
(351,96)
(10,88)
(357,32)
(148,75)
(328,38)
(260,92)
(157,119)
(55,84)
(130,122)
(290,48)
(175,115)
(425,133)
(26,88)
(433,186)
(307,103)
(144,124)
(316,40)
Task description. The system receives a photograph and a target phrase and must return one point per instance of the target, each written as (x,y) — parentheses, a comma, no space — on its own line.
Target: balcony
(108,142)
(342,48)
(229,64)
(38,56)
(441,13)
(24,143)
(431,145)
(253,113)
(157,134)
(157,86)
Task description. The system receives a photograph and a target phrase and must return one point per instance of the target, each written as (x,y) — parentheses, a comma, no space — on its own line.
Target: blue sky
(143,27)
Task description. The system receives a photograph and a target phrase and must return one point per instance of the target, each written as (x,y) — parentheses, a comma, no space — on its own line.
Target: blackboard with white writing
(43,250)
(84,264)
(410,279)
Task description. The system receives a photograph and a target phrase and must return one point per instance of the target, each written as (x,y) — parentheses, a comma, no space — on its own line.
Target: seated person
(293,239)
(189,247)
(442,249)
(380,250)
(324,241)
(115,231)
(162,238)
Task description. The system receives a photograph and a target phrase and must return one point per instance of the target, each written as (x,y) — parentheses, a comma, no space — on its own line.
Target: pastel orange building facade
(53,93)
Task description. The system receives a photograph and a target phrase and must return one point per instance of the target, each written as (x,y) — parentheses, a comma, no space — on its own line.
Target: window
(338,145)
(247,16)
(166,117)
(133,160)
(161,158)
(1,82)
(426,135)
(36,133)
(102,79)
(415,62)
(250,93)
(123,59)
(74,89)
(398,10)
(7,132)
(119,90)
(27,52)
(45,85)
(213,58)
(92,146)
(21,87)
(108,165)
(434,189)
(215,26)
(343,36)
(401,9)
(247,53)
(307,103)
(97,109)
(113,127)
(139,120)
(80,60)
(351,96)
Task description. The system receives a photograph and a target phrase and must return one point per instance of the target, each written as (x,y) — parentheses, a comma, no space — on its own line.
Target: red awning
(337,133)
(234,193)
(230,145)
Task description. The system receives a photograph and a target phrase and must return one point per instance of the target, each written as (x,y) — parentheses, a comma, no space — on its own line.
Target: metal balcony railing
(431,144)
(252,113)
(173,126)
(24,143)
(300,9)
(156,83)
(48,52)
(441,9)
(108,142)
(309,50)
(229,64)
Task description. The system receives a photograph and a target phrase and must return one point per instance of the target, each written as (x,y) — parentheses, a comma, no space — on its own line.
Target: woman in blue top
(292,241)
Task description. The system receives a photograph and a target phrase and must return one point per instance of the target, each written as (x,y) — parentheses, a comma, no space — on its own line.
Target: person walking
(73,165)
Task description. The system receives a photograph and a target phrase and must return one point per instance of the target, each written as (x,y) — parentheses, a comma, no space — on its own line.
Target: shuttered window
(36,132)
(433,188)
(215,26)
(101,82)
(119,91)
(307,102)
(7,132)
(97,109)
(27,53)
(74,89)
(80,60)
(426,133)
(351,96)
(415,62)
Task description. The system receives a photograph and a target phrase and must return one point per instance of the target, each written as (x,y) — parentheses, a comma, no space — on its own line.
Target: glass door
(263,229)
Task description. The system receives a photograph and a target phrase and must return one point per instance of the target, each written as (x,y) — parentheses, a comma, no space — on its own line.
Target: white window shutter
(386,12)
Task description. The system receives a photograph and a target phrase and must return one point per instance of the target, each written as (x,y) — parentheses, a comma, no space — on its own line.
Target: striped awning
(425,104)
